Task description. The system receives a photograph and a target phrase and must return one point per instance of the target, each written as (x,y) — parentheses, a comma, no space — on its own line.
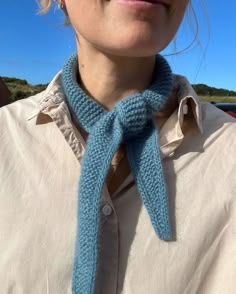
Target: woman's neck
(108,79)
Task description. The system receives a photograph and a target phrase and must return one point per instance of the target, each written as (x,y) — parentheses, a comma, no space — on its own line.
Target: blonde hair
(44,5)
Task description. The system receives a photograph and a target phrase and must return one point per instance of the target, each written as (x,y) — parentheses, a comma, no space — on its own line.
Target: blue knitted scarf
(131,122)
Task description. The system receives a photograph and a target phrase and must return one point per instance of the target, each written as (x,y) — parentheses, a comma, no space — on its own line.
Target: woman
(156,209)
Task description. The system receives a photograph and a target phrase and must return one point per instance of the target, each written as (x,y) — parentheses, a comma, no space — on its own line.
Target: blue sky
(34,47)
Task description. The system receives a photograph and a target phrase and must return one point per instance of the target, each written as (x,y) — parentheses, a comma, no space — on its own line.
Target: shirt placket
(108,248)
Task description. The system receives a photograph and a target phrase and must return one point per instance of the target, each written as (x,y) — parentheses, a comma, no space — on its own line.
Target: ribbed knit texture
(131,121)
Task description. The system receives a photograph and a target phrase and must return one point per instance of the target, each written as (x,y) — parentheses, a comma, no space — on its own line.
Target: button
(107,209)
(185,109)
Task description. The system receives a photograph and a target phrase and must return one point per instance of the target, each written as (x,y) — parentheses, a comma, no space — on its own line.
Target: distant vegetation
(204,90)
(21,89)
(212,94)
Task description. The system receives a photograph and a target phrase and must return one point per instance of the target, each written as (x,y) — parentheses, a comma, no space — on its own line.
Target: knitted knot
(132,115)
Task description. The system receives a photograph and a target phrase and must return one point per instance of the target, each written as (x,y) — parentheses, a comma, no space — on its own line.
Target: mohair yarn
(131,122)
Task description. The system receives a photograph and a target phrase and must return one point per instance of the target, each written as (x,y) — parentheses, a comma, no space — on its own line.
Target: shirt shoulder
(218,124)
(19,110)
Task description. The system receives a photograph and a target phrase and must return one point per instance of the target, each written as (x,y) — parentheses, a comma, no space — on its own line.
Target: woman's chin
(137,43)
(135,49)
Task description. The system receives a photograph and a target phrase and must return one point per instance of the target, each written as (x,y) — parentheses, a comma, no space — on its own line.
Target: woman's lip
(145,3)
(153,1)
(150,1)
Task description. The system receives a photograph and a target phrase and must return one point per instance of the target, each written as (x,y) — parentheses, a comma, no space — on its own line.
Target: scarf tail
(144,157)
(92,180)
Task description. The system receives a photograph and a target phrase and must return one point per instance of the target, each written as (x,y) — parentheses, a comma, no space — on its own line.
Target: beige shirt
(40,155)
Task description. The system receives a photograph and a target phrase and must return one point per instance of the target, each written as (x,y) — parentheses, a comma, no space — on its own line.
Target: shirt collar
(185,94)
(172,132)
(50,99)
